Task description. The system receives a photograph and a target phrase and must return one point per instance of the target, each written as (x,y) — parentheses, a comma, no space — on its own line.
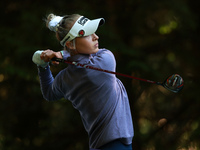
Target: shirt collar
(81,58)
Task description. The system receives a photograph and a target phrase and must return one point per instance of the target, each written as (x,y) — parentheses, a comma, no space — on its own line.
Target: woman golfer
(100,97)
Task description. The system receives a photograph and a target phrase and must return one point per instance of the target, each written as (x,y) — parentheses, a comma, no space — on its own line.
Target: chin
(96,50)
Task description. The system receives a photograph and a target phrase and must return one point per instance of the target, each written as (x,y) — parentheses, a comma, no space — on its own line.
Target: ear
(70,45)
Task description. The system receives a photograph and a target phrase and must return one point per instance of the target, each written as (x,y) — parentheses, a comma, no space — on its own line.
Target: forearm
(49,87)
(46,84)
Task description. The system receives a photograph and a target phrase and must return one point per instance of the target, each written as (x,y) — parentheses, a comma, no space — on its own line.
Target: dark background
(150,39)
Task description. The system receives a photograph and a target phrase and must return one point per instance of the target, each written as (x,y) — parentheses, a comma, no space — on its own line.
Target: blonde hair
(64,25)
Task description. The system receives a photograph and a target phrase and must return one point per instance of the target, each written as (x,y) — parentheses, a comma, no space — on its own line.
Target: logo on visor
(83,20)
(81,33)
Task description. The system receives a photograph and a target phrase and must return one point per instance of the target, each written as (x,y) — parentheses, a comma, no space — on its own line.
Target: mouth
(96,45)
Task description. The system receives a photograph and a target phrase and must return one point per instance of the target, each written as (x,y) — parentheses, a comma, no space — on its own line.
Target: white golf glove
(38,61)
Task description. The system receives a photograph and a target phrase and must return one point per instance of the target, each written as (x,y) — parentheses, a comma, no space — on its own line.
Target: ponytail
(52,22)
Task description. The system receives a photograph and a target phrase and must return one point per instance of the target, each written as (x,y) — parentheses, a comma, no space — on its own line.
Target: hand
(48,54)
(38,61)
(42,58)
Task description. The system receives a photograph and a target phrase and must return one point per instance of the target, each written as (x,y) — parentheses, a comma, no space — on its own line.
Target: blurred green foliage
(150,39)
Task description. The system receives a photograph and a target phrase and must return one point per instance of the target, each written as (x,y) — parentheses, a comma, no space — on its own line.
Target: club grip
(57,59)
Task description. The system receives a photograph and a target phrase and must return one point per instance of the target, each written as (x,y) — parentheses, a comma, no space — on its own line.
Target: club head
(174,83)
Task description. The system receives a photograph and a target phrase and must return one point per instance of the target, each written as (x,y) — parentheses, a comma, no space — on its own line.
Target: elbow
(48,99)
(51,98)
(51,94)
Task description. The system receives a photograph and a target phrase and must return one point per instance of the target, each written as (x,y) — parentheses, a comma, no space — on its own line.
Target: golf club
(173,83)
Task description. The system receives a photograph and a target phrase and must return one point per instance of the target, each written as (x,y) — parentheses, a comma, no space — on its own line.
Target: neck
(73,52)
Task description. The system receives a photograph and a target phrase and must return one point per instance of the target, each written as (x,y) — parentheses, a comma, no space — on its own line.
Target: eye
(87,37)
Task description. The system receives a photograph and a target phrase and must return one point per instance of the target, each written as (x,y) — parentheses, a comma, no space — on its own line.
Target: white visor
(82,27)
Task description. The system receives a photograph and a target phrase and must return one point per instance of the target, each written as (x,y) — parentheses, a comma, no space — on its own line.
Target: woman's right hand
(48,54)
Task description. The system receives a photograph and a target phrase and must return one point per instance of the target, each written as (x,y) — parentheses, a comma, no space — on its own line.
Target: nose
(95,37)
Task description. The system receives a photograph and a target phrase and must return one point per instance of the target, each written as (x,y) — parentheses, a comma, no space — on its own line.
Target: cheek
(83,45)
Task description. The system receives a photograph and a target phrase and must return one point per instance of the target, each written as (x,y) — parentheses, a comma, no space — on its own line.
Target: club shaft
(107,71)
